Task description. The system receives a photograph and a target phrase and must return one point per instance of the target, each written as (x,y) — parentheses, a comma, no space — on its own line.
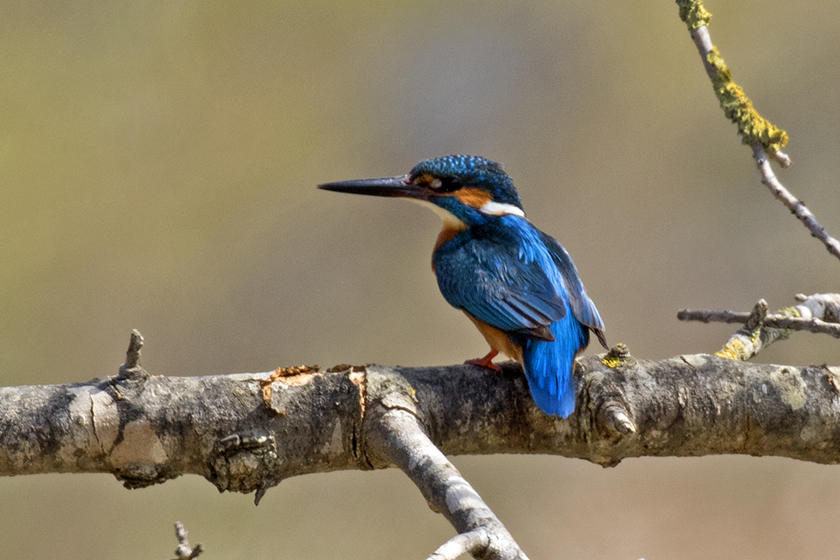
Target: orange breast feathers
(497,339)
(448,233)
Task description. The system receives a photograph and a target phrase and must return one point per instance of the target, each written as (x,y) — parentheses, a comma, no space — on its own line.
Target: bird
(518,285)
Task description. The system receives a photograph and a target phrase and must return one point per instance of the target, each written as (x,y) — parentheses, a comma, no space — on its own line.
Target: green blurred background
(157,170)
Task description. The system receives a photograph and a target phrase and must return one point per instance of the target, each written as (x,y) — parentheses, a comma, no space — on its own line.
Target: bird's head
(467,189)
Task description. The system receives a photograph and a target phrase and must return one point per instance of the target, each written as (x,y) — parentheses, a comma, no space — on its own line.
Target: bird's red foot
(486,362)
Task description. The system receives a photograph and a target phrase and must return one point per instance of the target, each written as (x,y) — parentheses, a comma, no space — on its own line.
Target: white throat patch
(500,209)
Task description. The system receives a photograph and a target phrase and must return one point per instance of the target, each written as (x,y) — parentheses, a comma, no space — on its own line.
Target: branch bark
(147,429)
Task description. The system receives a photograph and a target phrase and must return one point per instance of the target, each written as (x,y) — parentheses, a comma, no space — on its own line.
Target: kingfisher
(517,284)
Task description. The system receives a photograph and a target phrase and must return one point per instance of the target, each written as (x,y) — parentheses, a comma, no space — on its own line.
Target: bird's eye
(446,184)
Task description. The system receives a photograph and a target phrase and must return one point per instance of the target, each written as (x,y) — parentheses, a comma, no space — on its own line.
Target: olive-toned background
(157,171)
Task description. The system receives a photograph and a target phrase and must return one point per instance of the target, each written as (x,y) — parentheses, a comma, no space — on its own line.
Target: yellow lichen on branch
(693,13)
(734,350)
(739,109)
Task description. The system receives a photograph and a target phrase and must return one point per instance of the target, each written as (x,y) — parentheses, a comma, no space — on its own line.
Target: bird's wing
(582,306)
(491,281)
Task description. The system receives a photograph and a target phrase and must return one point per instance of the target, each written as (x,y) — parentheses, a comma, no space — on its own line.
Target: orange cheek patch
(473,197)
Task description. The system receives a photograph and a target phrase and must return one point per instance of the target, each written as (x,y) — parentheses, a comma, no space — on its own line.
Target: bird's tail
(548,366)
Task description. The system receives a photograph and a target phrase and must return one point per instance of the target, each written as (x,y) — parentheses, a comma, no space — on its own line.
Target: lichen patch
(791,387)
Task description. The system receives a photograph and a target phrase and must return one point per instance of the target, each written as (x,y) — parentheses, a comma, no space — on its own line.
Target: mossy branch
(735,104)
(761,135)
(739,109)
(694,14)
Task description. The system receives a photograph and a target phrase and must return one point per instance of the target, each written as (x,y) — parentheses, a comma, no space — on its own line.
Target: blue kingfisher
(518,285)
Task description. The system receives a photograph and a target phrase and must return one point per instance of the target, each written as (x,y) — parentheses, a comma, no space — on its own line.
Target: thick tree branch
(247,432)
(149,430)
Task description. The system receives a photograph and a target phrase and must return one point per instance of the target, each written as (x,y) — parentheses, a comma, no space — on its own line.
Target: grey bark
(147,429)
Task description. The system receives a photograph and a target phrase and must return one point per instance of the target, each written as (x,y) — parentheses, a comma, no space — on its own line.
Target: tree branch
(398,438)
(815,313)
(796,206)
(766,139)
(147,429)
(773,321)
(465,543)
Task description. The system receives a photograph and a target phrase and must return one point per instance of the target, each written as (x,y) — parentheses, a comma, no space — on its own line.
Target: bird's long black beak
(398,186)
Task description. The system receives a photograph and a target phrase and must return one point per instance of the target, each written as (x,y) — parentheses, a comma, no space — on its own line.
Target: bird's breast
(450,230)
(448,233)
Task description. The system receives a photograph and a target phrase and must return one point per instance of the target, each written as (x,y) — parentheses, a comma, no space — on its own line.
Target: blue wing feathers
(582,306)
(514,277)
(484,275)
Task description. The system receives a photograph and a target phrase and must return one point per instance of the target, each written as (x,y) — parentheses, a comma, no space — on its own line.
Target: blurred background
(158,164)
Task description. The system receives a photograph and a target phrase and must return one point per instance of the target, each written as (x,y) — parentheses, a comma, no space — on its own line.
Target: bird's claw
(486,362)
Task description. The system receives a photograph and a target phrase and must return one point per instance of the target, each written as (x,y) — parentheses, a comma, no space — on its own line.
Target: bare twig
(399,439)
(771,321)
(184,550)
(470,542)
(132,368)
(132,355)
(765,139)
(711,316)
(796,207)
(817,313)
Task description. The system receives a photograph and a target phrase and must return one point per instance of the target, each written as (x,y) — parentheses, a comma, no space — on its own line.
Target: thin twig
(765,139)
(771,321)
(184,550)
(470,542)
(815,313)
(796,207)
